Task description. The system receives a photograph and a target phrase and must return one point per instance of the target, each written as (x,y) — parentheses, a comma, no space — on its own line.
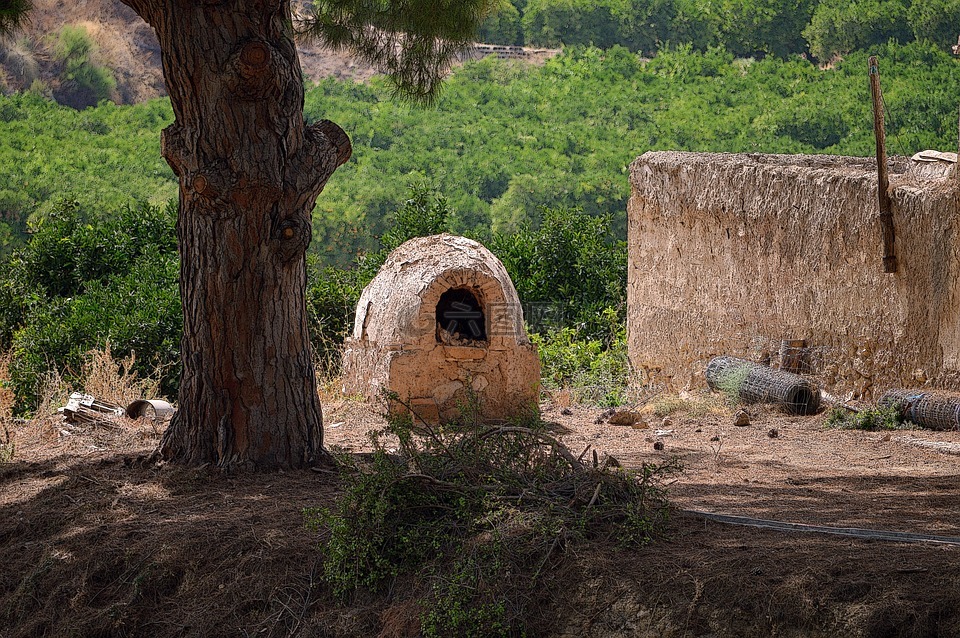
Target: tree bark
(250,171)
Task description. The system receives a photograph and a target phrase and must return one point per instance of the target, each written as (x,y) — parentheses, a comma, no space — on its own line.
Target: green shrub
(563,355)
(596,372)
(456,609)
(71,248)
(871,420)
(567,272)
(83,82)
(422,214)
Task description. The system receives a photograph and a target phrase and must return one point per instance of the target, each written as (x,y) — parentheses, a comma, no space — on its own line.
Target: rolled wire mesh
(934,410)
(754,383)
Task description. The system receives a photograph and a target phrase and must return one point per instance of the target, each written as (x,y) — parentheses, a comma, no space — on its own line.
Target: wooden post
(794,356)
(883,188)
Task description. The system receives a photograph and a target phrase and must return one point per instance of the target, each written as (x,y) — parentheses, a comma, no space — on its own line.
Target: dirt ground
(97,540)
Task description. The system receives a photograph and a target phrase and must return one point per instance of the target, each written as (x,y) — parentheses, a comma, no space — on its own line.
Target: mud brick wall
(733,253)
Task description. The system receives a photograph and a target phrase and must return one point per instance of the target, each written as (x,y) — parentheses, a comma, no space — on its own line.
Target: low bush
(83,80)
(594,372)
(569,271)
(871,420)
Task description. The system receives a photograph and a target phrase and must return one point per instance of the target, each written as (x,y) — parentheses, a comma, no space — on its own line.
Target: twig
(393,396)
(596,494)
(546,557)
(438,482)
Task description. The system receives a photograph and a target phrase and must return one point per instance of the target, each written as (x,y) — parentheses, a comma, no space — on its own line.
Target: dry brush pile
(480,521)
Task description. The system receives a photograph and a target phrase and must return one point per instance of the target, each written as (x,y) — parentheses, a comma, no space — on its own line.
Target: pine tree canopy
(412,41)
(12,15)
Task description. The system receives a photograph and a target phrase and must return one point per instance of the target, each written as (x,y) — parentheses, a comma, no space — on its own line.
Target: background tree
(838,26)
(935,20)
(749,27)
(503,27)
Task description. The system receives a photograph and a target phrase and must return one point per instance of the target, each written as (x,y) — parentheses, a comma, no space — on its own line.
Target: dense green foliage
(824,28)
(79,285)
(503,141)
(104,157)
(841,26)
(567,271)
(935,20)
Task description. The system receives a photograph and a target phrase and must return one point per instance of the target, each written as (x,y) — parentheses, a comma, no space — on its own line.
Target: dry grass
(6,389)
(327,363)
(103,376)
(688,404)
(54,392)
(115,380)
(106,378)
(20,63)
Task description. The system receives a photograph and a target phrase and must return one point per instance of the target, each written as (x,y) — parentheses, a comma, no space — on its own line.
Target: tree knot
(173,147)
(257,77)
(254,57)
(293,235)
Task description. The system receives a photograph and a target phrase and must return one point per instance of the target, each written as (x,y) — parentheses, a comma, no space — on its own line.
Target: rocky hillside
(83,51)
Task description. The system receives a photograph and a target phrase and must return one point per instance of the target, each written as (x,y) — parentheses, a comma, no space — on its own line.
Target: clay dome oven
(441,323)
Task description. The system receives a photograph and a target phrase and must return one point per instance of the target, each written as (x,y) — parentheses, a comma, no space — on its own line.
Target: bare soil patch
(97,540)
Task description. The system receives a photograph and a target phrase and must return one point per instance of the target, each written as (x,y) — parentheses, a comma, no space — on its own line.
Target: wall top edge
(843,166)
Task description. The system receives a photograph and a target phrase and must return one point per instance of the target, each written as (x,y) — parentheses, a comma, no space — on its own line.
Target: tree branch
(147,9)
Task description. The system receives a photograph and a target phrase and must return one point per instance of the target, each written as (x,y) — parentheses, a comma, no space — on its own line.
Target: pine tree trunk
(250,172)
